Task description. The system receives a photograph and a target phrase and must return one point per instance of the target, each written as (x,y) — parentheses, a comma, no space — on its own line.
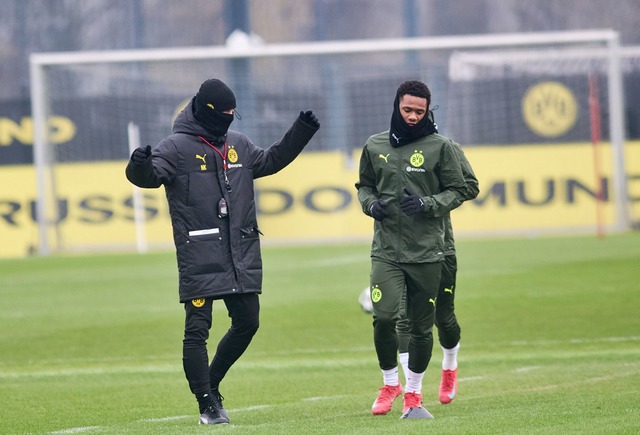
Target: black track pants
(244,311)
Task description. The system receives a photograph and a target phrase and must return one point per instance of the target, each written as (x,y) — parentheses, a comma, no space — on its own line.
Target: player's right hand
(378,210)
(140,155)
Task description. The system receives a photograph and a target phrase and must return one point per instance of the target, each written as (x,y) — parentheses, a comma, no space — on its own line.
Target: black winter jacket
(217,256)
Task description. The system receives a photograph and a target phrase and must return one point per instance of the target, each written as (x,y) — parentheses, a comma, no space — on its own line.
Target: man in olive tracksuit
(445,320)
(208,171)
(409,179)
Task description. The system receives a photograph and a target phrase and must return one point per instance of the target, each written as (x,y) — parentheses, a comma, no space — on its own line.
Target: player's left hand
(309,118)
(411,204)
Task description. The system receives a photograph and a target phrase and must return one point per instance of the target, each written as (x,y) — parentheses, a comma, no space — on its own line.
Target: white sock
(404,362)
(414,382)
(450,358)
(390,377)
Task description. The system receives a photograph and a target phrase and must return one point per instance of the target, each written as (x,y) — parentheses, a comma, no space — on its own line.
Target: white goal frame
(39,62)
(613,55)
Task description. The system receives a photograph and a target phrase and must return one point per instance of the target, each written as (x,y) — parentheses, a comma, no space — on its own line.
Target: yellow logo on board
(549,109)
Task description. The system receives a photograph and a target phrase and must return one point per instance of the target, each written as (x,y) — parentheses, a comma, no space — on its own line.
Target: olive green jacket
(430,168)
(471,192)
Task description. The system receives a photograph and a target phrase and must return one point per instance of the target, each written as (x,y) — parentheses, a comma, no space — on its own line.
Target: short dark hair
(415,88)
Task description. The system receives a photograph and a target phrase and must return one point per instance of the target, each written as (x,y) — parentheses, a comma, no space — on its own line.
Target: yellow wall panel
(524,190)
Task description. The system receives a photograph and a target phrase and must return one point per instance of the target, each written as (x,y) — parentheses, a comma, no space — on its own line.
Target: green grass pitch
(551,344)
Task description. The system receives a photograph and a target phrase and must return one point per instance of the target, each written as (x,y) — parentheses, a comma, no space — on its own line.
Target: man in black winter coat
(208,171)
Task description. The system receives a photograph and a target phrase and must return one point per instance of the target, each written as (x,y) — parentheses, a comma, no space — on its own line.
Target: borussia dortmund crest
(416,159)
(233,155)
(376,294)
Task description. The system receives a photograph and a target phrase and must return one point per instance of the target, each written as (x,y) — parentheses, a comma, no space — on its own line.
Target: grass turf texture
(551,343)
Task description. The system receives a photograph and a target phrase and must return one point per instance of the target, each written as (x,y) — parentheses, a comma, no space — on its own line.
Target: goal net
(477,83)
(548,87)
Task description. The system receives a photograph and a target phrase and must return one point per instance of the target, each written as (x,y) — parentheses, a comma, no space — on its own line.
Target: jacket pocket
(203,252)
(251,247)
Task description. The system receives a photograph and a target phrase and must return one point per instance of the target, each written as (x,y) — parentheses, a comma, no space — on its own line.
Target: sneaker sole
(221,420)
(381,412)
(214,422)
(446,400)
(387,411)
(223,413)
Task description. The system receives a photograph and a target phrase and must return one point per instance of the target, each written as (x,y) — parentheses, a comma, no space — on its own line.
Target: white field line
(162,419)
(159,420)
(289,352)
(555,387)
(526,369)
(599,379)
(576,341)
(470,378)
(320,398)
(171,367)
(78,430)
(251,408)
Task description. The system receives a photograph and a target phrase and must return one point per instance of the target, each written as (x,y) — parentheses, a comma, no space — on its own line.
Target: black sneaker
(211,415)
(217,402)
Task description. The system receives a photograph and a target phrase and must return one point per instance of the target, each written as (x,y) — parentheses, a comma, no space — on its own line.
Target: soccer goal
(477,82)
(549,86)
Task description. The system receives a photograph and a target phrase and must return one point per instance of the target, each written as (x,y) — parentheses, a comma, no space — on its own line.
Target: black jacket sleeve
(158,169)
(281,153)
(142,176)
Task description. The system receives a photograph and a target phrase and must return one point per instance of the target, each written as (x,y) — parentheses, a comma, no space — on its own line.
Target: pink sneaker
(448,386)
(411,400)
(385,399)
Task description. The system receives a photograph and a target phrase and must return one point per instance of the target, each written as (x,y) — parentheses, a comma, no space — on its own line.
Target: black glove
(309,118)
(140,155)
(411,204)
(378,210)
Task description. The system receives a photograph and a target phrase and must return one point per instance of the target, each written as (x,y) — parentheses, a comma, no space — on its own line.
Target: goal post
(585,62)
(350,83)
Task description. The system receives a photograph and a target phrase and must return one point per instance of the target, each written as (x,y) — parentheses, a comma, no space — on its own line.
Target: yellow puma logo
(448,290)
(203,166)
(384,157)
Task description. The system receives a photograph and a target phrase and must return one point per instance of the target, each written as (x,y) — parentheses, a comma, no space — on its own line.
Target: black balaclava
(402,133)
(213,98)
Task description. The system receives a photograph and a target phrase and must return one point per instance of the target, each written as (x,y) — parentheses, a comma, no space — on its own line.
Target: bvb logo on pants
(198,302)
(376,294)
